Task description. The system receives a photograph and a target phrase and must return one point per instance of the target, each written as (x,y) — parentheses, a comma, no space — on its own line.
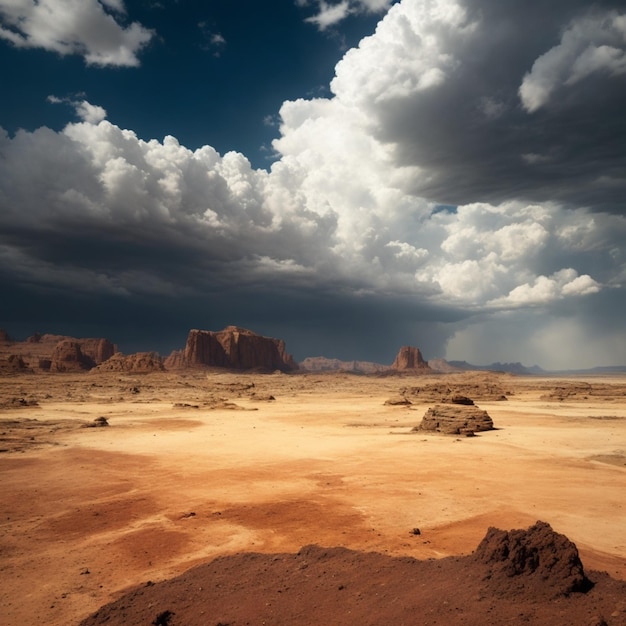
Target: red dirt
(532,576)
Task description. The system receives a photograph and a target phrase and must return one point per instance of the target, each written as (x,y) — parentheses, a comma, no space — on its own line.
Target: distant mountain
(442,366)
(607,369)
(518,368)
(512,368)
(324,364)
(408,359)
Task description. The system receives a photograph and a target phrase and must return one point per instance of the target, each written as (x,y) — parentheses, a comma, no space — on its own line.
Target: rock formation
(479,387)
(458,416)
(13,364)
(175,360)
(139,363)
(4,336)
(67,356)
(203,348)
(56,353)
(233,347)
(409,358)
(97,350)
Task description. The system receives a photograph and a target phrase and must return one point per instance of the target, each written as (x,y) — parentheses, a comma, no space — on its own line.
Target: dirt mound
(536,562)
(341,586)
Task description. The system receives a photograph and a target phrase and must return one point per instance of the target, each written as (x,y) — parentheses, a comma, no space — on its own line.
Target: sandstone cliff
(409,358)
(233,347)
(67,356)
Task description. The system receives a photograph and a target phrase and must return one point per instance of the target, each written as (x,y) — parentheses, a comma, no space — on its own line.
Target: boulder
(233,347)
(458,399)
(398,401)
(455,419)
(409,358)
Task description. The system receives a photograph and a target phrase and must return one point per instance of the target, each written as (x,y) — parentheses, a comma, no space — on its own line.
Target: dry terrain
(197,465)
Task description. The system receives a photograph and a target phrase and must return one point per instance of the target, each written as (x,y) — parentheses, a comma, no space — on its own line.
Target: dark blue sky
(224,94)
(282,166)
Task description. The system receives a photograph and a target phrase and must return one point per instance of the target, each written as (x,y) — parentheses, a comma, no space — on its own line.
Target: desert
(115,483)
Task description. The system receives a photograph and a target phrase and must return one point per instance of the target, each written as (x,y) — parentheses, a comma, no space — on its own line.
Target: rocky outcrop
(138,363)
(4,336)
(203,348)
(459,416)
(73,355)
(488,388)
(57,353)
(13,364)
(536,562)
(175,360)
(68,357)
(409,358)
(98,350)
(233,347)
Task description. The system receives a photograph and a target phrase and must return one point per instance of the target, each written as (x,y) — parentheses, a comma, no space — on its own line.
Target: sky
(351,176)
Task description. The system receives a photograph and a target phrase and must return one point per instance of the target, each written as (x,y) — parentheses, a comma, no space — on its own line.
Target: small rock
(398,401)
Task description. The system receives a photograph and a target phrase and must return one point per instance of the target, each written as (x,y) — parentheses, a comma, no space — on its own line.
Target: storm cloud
(462,190)
(492,101)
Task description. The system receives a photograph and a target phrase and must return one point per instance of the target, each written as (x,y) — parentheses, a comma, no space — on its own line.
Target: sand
(199,465)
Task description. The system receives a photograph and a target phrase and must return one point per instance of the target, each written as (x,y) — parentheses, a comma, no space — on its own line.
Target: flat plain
(199,464)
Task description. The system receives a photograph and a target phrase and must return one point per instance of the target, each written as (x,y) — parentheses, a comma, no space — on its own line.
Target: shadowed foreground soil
(533,576)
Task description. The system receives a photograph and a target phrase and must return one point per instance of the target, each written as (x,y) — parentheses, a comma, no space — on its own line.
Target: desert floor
(194,465)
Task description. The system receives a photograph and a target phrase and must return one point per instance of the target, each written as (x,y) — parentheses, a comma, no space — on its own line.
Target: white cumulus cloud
(328,14)
(80,27)
(546,289)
